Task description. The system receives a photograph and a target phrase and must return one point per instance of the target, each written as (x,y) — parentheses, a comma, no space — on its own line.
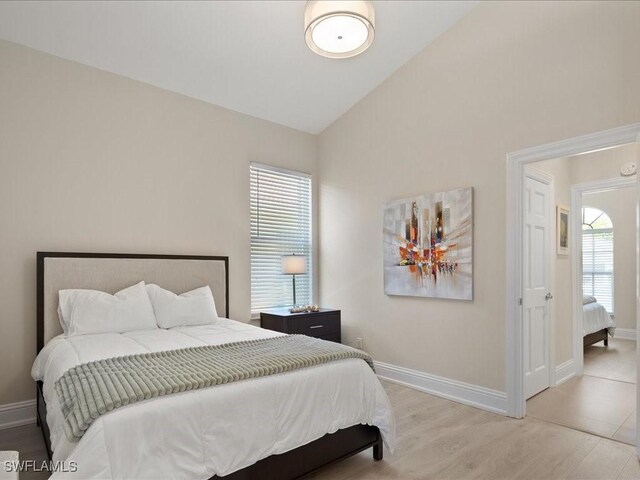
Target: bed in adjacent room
(280,425)
(597,324)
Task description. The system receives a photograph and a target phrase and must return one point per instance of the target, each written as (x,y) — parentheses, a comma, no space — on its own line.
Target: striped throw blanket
(95,388)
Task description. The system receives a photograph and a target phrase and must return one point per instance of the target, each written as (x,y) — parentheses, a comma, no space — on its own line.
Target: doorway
(516,163)
(597,395)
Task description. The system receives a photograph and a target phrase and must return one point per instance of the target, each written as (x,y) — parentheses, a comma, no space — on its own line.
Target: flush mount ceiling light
(339,29)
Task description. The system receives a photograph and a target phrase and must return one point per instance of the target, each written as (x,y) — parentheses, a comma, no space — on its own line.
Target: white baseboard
(626,333)
(17,414)
(466,393)
(565,371)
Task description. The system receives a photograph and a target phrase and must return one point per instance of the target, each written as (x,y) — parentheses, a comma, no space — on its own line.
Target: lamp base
(304,309)
(294,290)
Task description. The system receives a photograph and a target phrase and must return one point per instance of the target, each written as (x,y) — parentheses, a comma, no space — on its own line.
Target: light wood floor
(603,401)
(439,439)
(615,362)
(28,441)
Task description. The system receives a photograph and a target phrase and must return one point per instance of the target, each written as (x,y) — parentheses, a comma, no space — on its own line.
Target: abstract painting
(428,245)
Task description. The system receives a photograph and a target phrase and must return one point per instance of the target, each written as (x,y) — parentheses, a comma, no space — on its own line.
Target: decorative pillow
(83,312)
(196,307)
(587,299)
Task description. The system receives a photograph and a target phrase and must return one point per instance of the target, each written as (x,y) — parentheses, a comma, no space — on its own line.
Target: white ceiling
(248,56)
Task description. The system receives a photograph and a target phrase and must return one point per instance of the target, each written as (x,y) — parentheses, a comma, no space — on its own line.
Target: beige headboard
(113,272)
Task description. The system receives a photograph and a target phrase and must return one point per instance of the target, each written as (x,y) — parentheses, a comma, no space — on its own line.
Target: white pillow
(91,311)
(196,307)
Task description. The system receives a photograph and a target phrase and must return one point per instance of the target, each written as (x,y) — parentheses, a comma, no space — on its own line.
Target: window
(597,256)
(280,225)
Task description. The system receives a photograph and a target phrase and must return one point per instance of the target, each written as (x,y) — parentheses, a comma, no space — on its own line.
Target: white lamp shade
(339,29)
(294,264)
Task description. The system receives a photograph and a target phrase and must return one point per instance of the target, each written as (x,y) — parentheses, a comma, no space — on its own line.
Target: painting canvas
(428,245)
(562,229)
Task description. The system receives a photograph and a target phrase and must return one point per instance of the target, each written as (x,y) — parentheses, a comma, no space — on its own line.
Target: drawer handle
(316,326)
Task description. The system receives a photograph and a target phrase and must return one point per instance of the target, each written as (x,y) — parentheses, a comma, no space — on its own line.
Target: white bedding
(595,317)
(213,431)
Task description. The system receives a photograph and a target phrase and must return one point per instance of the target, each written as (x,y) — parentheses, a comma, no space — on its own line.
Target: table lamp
(294,265)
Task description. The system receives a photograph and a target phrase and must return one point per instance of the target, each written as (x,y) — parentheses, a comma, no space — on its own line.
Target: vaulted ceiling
(248,56)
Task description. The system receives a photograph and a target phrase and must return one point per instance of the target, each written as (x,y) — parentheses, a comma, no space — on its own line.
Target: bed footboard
(313,456)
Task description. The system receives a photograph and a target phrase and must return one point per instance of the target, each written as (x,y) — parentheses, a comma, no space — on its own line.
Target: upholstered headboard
(111,272)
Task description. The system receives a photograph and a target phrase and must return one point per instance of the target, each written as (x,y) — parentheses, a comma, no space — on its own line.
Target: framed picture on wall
(428,245)
(562,230)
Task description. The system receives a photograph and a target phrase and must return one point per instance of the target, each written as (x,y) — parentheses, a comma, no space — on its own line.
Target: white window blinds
(280,225)
(597,265)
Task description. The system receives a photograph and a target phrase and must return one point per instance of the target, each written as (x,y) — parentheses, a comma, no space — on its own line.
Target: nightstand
(324,324)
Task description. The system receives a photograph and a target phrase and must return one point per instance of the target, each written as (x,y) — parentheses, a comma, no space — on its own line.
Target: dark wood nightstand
(324,324)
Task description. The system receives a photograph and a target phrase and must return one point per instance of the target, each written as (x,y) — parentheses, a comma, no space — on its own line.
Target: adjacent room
(270,240)
(592,259)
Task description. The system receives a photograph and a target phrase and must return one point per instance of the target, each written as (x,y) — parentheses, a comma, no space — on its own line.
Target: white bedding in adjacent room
(213,431)
(595,317)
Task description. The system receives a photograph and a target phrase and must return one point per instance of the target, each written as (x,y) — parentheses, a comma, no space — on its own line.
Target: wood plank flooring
(603,401)
(440,439)
(615,362)
(28,441)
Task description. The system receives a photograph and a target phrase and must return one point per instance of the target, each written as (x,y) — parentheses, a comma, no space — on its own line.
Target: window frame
(255,313)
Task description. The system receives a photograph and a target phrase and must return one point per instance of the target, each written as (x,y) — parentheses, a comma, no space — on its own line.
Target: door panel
(537,256)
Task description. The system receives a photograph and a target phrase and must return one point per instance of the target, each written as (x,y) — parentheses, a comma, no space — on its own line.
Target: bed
(597,324)
(279,426)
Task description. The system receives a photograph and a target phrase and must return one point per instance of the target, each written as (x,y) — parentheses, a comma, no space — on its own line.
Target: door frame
(547,179)
(516,161)
(577,191)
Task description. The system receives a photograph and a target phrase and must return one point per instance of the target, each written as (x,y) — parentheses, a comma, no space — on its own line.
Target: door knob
(548,296)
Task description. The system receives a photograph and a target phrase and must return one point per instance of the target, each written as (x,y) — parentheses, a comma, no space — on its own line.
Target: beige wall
(620,205)
(91,161)
(569,171)
(509,75)
(603,164)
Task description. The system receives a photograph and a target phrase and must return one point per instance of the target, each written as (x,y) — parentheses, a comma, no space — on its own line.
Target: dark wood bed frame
(296,463)
(596,337)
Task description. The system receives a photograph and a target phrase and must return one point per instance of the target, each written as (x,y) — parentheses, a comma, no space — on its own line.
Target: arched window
(597,256)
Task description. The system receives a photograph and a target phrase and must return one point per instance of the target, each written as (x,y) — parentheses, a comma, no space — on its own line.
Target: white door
(536,295)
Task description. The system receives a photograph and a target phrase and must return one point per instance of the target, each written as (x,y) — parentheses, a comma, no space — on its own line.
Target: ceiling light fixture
(339,29)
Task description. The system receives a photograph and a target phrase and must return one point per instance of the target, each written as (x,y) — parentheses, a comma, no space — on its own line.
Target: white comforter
(213,431)
(595,317)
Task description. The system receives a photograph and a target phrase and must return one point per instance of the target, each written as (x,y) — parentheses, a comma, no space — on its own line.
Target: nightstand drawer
(316,325)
